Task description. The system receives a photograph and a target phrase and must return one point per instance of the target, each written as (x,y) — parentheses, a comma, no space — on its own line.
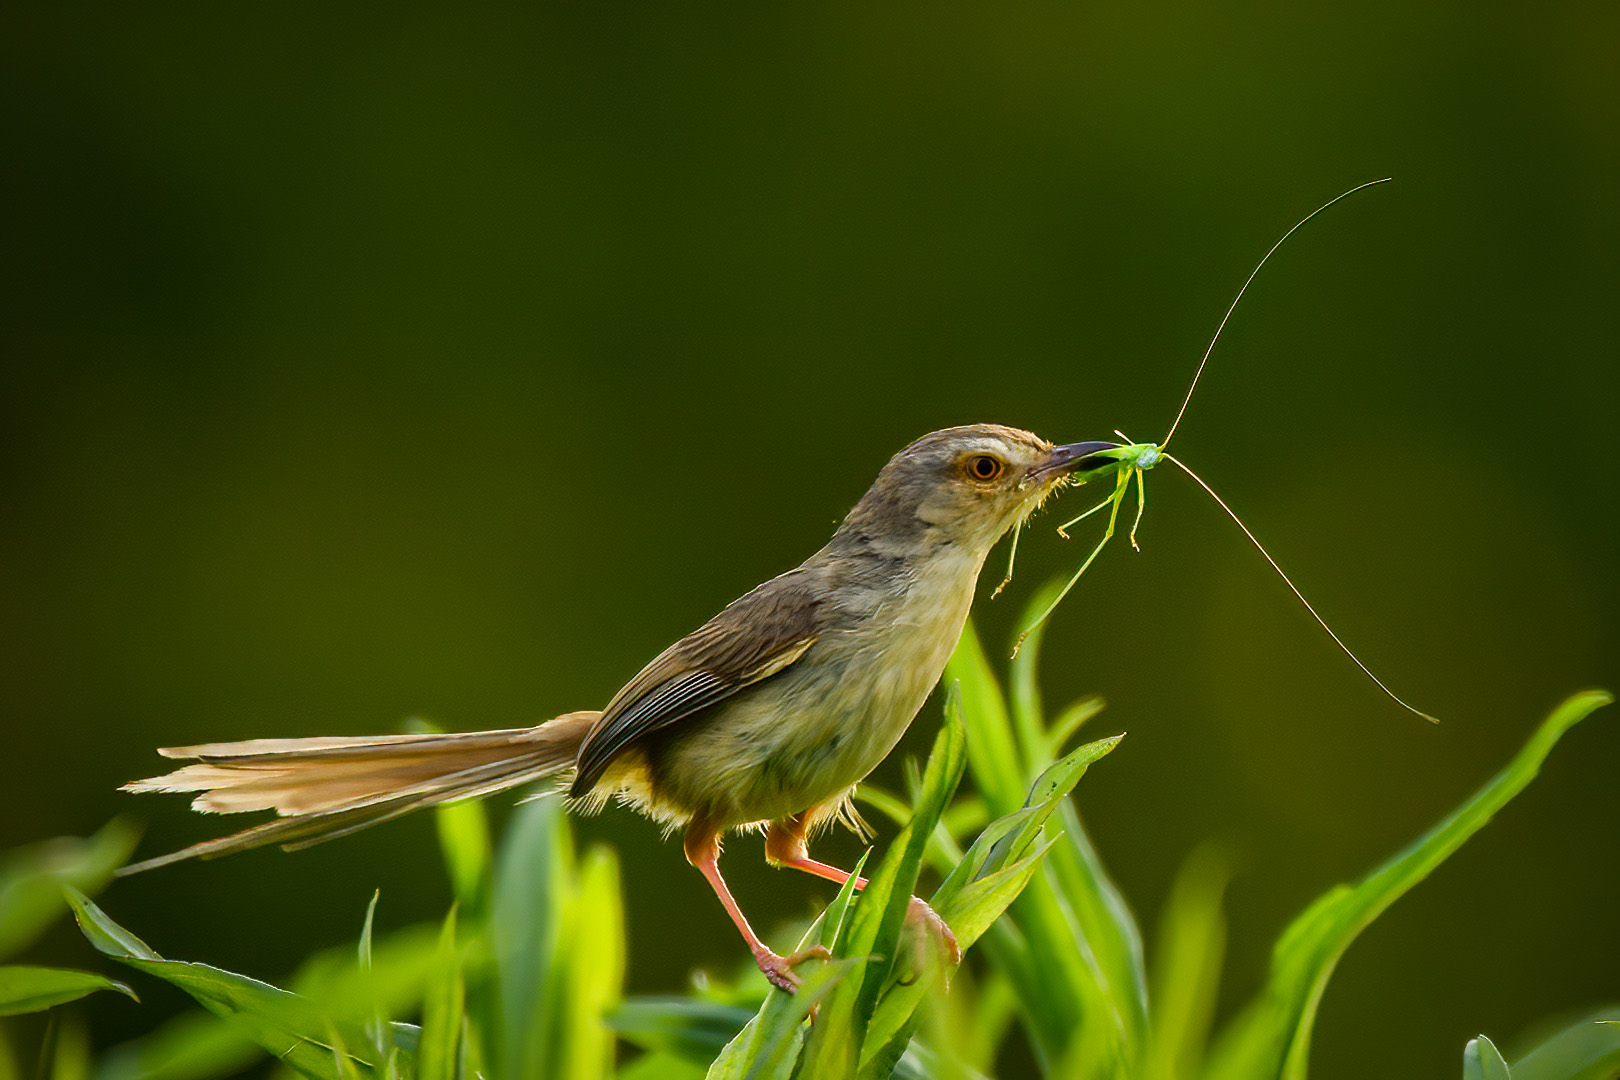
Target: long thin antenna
(1205,360)
(1299,595)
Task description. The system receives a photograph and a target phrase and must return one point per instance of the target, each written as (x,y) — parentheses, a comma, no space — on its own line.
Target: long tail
(326,788)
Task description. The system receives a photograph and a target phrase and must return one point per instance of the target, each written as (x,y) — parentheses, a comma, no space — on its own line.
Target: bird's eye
(984,468)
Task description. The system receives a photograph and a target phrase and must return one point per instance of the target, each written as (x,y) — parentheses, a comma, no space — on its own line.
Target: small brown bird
(768,715)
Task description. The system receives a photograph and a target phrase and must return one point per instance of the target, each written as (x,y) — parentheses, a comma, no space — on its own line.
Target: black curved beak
(1075,457)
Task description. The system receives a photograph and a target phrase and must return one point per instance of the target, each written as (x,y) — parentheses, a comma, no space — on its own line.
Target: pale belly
(806,736)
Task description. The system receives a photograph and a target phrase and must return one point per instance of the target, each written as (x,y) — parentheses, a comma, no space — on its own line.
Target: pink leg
(785,846)
(703,852)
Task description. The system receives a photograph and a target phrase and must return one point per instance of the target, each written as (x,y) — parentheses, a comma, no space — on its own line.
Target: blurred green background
(363,363)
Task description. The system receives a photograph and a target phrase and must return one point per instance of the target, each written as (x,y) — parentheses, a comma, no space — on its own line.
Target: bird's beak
(1073,458)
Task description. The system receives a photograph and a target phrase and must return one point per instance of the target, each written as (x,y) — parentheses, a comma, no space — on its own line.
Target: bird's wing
(753,639)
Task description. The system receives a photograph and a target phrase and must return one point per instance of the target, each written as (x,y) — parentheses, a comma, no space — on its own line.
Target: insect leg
(1114,498)
(1012,557)
(1120,487)
(1141,505)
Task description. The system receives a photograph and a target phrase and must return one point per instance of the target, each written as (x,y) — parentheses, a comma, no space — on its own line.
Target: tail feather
(325,788)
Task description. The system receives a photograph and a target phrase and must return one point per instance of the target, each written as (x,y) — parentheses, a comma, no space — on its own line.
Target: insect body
(1131,461)
(1126,462)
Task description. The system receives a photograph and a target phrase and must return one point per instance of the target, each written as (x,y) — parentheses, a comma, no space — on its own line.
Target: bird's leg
(785,845)
(703,852)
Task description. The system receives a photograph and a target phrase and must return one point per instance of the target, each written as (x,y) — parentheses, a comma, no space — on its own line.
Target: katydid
(1132,460)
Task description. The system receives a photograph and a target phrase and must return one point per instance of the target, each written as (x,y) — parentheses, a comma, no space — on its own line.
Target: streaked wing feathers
(753,639)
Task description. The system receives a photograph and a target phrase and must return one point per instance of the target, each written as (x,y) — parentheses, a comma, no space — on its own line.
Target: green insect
(1132,461)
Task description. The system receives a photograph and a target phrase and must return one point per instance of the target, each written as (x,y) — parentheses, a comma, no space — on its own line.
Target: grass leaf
(1482,1061)
(526,919)
(993,756)
(286,1025)
(1587,1048)
(689,1028)
(594,963)
(1187,971)
(1068,722)
(835,1046)
(464,839)
(1272,1037)
(1070,945)
(1023,686)
(35,989)
(199,1045)
(1085,931)
(439,1049)
(32,879)
(768,1047)
(981,901)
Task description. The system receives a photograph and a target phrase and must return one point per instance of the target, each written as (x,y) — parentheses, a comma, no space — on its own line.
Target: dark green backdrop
(370,362)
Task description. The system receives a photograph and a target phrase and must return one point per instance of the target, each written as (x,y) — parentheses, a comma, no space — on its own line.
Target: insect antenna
(1246,283)
(1295,589)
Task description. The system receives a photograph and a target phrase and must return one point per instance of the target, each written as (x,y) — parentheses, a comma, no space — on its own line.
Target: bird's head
(965,486)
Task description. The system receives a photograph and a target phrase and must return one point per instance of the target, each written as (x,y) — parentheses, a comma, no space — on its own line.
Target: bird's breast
(810,732)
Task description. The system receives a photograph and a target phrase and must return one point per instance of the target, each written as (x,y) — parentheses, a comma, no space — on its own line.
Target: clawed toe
(928,920)
(778,969)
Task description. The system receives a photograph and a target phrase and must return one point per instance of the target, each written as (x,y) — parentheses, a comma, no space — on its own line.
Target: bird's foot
(927,923)
(779,969)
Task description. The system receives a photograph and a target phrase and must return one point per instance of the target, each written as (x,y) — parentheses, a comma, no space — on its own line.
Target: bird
(766,717)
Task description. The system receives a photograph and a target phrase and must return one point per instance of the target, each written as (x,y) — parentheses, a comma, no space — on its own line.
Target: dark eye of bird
(984,467)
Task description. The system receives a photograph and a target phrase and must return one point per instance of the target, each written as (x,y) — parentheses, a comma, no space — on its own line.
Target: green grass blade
(70,1057)
(402,963)
(1112,939)
(1482,1061)
(1062,998)
(464,839)
(1068,722)
(834,924)
(768,1047)
(193,1046)
(996,869)
(1001,839)
(364,948)
(689,1028)
(32,879)
(1187,970)
(769,1043)
(962,1029)
(998,774)
(881,912)
(376,1019)
(1272,1037)
(661,1065)
(345,1064)
(9,1069)
(107,936)
(594,958)
(1082,951)
(1586,1049)
(973,909)
(836,1042)
(922,1063)
(1023,685)
(526,920)
(1085,950)
(1042,948)
(440,1047)
(199,1045)
(35,989)
(1010,837)
(287,1025)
